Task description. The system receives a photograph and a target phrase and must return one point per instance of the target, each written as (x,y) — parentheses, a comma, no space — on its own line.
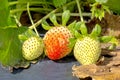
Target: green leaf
(96,31)
(53,19)
(59,3)
(65,17)
(105,39)
(4,13)
(114,5)
(10,46)
(101,1)
(83,29)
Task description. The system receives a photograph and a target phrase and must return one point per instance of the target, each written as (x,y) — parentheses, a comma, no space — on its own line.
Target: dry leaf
(108,68)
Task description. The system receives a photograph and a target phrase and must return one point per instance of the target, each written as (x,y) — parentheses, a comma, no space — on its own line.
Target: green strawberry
(32,48)
(87,50)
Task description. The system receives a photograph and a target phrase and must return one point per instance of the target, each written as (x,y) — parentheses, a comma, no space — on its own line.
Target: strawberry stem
(31,19)
(47,16)
(80,12)
(16,20)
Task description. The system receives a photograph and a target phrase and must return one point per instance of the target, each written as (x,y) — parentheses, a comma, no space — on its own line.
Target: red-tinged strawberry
(56,42)
(57,39)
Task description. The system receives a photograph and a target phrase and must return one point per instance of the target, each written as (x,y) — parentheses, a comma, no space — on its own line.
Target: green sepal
(114,40)
(65,17)
(98,10)
(22,37)
(106,8)
(46,27)
(96,31)
(110,39)
(77,34)
(27,34)
(83,29)
(71,27)
(72,42)
(45,22)
(105,39)
(53,19)
(112,47)
(77,26)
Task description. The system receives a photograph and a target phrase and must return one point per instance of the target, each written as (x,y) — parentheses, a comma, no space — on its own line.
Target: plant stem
(31,2)
(31,19)
(45,17)
(75,14)
(80,12)
(17,21)
(31,9)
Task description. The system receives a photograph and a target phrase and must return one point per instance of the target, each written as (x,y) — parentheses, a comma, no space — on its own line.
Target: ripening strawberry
(56,42)
(32,48)
(56,39)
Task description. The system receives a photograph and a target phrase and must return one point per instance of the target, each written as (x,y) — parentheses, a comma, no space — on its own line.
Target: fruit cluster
(60,40)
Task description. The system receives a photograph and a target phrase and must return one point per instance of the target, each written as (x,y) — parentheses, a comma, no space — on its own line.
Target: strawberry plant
(20,45)
(87,47)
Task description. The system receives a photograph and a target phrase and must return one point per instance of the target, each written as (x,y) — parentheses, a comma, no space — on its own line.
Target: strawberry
(56,42)
(32,48)
(56,39)
(87,50)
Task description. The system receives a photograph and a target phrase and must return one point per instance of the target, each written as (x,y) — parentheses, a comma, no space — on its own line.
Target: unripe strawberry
(32,48)
(87,50)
